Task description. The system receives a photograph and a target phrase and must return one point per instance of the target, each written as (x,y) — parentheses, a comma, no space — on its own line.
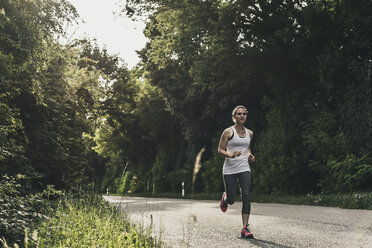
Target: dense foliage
(22,210)
(302,68)
(73,115)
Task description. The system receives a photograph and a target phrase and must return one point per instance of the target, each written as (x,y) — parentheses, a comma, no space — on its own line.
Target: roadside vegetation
(57,219)
(342,200)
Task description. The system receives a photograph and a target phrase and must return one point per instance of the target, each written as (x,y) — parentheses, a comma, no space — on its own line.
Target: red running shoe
(223,204)
(246,233)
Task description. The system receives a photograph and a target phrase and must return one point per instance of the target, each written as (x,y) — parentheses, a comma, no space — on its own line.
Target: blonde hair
(234,112)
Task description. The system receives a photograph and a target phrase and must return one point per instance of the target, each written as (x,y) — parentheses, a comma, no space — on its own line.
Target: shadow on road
(264,243)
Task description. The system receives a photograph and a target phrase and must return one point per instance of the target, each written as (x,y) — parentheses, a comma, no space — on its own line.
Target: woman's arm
(227,133)
(250,155)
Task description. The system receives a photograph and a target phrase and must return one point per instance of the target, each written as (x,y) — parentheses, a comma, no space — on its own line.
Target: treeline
(51,95)
(74,115)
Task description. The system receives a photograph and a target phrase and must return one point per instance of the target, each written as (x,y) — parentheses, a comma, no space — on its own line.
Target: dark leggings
(245,181)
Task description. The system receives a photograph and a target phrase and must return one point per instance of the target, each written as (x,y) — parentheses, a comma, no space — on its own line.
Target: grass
(360,200)
(92,222)
(87,221)
(342,200)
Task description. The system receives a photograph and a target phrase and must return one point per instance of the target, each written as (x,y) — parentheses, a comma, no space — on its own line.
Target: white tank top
(241,163)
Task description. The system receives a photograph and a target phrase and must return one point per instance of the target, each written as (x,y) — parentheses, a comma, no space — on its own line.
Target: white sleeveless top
(241,163)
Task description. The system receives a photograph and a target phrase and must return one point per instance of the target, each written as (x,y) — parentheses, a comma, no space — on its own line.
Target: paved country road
(195,223)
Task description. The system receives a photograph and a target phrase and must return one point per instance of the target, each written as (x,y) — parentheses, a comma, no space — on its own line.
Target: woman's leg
(230,187)
(245,183)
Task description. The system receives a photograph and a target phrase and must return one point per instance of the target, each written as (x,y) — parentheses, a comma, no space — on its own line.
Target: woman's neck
(239,127)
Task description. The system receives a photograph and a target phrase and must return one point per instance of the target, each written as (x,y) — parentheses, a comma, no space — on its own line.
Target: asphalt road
(194,223)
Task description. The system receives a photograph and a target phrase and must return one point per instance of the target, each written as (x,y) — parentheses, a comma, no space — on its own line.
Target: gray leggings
(245,182)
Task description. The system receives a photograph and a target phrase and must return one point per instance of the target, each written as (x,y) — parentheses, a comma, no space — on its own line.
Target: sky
(119,34)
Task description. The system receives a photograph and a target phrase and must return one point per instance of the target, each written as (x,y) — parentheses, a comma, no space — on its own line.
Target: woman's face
(240,115)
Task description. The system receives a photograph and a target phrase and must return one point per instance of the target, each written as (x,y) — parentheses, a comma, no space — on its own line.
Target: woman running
(234,147)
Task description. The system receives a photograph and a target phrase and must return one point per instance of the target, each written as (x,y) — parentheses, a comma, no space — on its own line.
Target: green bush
(350,174)
(362,200)
(21,210)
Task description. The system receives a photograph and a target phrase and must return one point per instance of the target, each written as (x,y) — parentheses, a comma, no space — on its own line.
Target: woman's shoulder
(228,130)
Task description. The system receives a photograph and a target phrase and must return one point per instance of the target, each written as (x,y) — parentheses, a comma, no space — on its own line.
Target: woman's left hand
(251,157)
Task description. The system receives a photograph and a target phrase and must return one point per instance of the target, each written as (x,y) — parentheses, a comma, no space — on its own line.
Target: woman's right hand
(236,154)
